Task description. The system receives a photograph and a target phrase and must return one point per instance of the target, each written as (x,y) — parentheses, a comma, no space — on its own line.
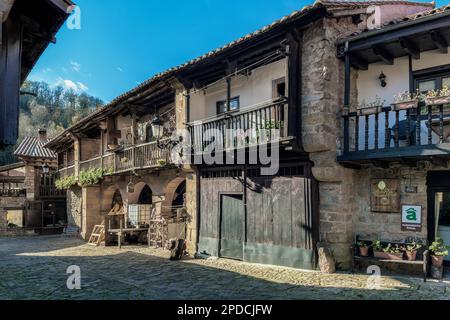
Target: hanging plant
(93,176)
(66,182)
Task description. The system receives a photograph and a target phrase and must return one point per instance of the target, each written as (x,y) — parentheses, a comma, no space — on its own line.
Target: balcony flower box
(370,110)
(437,101)
(405,105)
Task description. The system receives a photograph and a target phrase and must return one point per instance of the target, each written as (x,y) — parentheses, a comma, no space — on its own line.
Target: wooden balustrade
(141,156)
(387,130)
(251,126)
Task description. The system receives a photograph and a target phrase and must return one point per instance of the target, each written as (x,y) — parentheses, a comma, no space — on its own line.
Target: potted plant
(161,162)
(411,251)
(363,248)
(378,250)
(405,100)
(438,250)
(394,252)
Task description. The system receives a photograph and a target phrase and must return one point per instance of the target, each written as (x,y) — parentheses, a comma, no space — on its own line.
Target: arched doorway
(174,197)
(145,197)
(117,199)
(179,197)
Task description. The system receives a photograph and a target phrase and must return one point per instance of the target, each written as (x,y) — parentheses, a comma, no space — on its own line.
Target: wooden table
(122,231)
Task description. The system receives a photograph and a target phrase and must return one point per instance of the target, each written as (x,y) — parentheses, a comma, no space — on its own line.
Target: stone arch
(139,189)
(171,192)
(110,196)
(145,197)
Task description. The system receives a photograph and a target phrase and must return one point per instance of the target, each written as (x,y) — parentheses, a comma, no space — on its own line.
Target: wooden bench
(422,259)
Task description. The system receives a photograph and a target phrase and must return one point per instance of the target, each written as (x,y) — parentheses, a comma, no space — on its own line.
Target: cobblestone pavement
(35,268)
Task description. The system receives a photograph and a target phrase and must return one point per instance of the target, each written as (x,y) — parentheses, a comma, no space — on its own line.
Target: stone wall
(74,207)
(387,226)
(322,81)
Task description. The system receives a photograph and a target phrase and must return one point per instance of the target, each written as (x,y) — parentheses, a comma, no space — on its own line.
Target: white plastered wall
(253,90)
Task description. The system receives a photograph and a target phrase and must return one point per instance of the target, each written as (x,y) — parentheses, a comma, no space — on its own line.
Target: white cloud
(82,86)
(47,70)
(71,85)
(120,69)
(75,66)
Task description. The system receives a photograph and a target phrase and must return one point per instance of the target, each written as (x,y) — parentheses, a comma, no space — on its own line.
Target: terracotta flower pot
(380,255)
(411,255)
(437,261)
(388,256)
(363,252)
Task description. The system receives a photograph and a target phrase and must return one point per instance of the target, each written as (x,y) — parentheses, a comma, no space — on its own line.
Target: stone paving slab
(35,268)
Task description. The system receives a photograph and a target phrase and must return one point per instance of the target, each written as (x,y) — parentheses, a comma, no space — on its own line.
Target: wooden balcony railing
(268,121)
(396,133)
(50,192)
(141,156)
(67,171)
(13,192)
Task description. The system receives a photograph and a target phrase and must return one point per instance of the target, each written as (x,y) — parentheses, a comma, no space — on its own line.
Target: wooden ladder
(97,236)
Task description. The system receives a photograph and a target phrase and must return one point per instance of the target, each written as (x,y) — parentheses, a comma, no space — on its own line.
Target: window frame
(434,73)
(237,98)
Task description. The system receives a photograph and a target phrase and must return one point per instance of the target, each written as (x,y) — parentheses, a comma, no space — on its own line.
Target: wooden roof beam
(440,42)
(410,48)
(358,62)
(383,54)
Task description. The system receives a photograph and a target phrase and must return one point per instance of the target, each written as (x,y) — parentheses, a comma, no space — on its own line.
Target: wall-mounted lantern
(382,79)
(45,168)
(157,127)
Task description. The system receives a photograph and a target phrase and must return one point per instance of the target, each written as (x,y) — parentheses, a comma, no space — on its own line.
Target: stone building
(395,127)
(283,86)
(29,199)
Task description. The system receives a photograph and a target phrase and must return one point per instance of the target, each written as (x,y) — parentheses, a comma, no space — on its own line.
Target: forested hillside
(53,108)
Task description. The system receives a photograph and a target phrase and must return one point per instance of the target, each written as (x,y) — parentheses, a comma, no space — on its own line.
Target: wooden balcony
(46,187)
(12,187)
(386,134)
(138,157)
(268,120)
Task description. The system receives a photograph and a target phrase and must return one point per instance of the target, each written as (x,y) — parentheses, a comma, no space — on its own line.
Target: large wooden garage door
(282,226)
(232,226)
(276,220)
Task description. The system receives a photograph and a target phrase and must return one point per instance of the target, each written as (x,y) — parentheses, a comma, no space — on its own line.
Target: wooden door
(232,226)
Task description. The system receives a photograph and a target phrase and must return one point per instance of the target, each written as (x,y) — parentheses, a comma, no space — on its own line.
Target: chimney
(42,134)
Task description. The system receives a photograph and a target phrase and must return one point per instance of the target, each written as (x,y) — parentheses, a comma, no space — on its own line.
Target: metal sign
(411,218)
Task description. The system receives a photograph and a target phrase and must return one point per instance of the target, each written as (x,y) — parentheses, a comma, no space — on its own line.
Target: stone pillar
(76,155)
(74,207)
(322,99)
(91,210)
(191,173)
(30,181)
(191,207)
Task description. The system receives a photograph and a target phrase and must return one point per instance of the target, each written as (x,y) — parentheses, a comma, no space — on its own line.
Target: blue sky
(122,43)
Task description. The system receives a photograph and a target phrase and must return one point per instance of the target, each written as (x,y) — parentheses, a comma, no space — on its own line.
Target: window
(278,88)
(432,79)
(222,105)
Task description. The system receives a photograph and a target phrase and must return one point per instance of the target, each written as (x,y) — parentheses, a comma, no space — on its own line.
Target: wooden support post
(294,123)
(188,105)
(346,102)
